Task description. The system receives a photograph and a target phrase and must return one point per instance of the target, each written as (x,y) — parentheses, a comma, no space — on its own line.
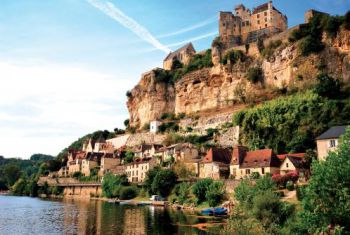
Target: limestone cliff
(209,91)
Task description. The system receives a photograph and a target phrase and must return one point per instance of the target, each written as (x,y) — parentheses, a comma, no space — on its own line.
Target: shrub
(310,45)
(255,175)
(260,44)
(333,24)
(270,49)
(176,65)
(217,42)
(183,192)
(146,127)
(233,56)
(244,193)
(162,76)
(200,188)
(126,122)
(111,185)
(290,186)
(129,156)
(215,193)
(347,20)
(300,190)
(128,94)
(77,174)
(128,192)
(328,86)
(254,74)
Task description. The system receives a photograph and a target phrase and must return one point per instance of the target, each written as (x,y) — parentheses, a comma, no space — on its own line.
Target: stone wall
(82,191)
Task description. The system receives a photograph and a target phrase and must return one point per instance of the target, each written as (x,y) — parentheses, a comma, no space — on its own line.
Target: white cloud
(190,28)
(45,107)
(115,13)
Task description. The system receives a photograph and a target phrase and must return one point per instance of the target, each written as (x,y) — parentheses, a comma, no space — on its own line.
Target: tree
(164,182)
(176,64)
(215,193)
(150,175)
(200,189)
(129,156)
(12,174)
(260,44)
(326,201)
(347,20)
(328,86)
(128,192)
(254,74)
(41,157)
(126,123)
(111,184)
(19,187)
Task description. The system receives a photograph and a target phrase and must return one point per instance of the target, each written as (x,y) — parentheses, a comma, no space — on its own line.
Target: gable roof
(284,156)
(172,55)
(333,132)
(218,155)
(296,161)
(260,158)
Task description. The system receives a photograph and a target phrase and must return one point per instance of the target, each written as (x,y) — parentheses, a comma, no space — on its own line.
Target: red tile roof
(297,155)
(252,159)
(218,155)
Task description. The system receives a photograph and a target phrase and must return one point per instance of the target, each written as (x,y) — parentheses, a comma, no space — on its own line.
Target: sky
(65,65)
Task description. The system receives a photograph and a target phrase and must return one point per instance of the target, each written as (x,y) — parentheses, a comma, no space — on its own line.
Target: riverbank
(5,193)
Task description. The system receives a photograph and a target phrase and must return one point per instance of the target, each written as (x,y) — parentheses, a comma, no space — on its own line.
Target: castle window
(265,19)
(263,170)
(265,13)
(258,16)
(258,22)
(243,24)
(266,25)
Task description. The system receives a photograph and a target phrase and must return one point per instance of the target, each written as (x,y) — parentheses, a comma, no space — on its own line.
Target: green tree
(215,193)
(164,182)
(150,175)
(111,185)
(254,74)
(19,187)
(200,189)
(128,192)
(12,174)
(326,200)
(129,156)
(328,86)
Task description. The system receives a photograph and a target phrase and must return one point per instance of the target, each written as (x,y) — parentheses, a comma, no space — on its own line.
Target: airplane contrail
(190,28)
(115,13)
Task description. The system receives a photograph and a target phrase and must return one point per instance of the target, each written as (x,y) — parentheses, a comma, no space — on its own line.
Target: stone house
(328,141)
(216,164)
(246,26)
(92,161)
(147,150)
(74,161)
(136,171)
(245,162)
(108,162)
(183,55)
(292,163)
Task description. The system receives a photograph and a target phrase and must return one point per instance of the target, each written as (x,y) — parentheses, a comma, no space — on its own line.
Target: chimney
(270,5)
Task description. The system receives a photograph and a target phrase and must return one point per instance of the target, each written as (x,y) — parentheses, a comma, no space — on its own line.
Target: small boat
(144,203)
(219,211)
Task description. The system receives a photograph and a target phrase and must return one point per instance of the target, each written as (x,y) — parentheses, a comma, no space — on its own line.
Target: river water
(25,215)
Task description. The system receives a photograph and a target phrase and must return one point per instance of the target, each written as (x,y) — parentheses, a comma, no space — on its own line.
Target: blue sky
(65,65)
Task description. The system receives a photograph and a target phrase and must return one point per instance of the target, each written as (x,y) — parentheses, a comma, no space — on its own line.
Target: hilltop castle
(245,26)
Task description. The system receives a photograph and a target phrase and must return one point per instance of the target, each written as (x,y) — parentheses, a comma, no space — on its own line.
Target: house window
(332,143)
(265,13)
(263,170)
(287,165)
(258,21)
(247,171)
(258,16)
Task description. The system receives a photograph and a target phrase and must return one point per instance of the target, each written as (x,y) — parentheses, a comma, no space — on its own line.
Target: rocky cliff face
(211,90)
(150,99)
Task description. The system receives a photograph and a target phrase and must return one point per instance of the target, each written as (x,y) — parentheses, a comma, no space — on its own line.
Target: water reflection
(92,217)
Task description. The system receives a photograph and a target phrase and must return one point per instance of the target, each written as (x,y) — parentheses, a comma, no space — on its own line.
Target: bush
(310,45)
(290,186)
(271,47)
(255,175)
(328,86)
(333,24)
(77,175)
(233,56)
(183,192)
(215,193)
(200,188)
(260,44)
(300,190)
(217,42)
(128,192)
(176,65)
(111,185)
(128,94)
(254,74)
(198,62)
(347,20)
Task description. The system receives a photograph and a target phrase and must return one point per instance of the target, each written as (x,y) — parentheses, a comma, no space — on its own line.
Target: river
(25,215)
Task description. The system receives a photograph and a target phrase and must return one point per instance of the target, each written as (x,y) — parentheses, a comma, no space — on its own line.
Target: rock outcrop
(208,91)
